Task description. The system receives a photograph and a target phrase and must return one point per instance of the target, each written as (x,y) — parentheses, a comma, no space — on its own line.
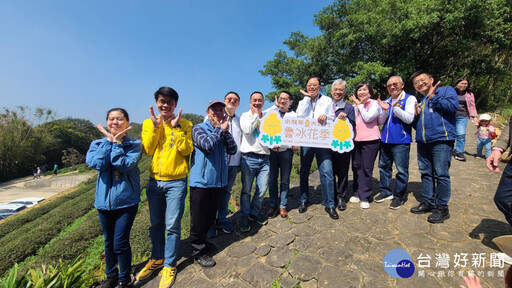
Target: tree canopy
(368,40)
(194,118)
(31,137)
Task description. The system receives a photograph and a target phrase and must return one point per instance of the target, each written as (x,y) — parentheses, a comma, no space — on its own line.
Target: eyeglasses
(396,84)
(419,81)
(168,102)
(234,100)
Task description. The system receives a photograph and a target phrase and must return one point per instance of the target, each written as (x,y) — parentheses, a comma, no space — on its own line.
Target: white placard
(337,135)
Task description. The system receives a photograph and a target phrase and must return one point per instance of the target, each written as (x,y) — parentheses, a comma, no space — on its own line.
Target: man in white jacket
(320,107)
(255,163)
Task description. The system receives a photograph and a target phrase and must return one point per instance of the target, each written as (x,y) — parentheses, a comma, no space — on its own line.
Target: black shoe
(439,215)
(460,157)
(381,198)
(110,282)
(396,203)
(342,205)
(205,261)
(260,219)
(332,212)
(272,212)
(303,207)
(422,208)
(125,285)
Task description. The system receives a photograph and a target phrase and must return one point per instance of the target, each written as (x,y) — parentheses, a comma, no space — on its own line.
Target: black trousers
(340,166)
(203,211)
(365,153)
(503,197)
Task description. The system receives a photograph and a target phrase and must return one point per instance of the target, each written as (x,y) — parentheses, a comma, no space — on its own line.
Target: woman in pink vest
(367,142)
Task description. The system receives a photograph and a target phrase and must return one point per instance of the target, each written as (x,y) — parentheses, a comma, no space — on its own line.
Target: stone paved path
(311,250)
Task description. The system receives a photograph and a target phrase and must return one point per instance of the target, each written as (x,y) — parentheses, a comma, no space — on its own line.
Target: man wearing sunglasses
(397,117)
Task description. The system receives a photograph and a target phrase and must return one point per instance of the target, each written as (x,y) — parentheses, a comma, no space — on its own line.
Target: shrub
(63,275)
(73,243)
(26,240)
(15,222)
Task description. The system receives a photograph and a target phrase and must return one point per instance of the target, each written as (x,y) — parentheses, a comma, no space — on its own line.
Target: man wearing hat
(208,176)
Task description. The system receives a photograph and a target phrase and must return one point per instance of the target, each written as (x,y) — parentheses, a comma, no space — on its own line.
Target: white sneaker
(364,205)
(354,199)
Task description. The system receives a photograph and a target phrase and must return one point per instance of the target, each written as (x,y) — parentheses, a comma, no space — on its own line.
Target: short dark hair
(257,92)
(125,114)
(168,92)
(231,92)
(370,89)
(468,89)
(418,73)
(287,93)
(317,78)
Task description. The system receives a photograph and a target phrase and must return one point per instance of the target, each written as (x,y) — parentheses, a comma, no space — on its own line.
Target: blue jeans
(324,163)
(398,153)
(253,166)
(116,226)
(481,143)
(222,208)
(166,204)
(434,161)
(460,126)
(280,161)
(503,197)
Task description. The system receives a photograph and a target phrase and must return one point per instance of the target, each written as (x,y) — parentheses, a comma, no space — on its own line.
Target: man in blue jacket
(208,176)
(397,117)
(435,135)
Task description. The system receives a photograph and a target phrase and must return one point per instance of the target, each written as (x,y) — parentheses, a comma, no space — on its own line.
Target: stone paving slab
(311,250)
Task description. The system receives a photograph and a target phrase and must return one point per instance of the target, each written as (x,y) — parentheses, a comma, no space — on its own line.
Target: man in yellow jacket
(168,139)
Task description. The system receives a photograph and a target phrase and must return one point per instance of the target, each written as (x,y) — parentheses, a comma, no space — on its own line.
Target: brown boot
(283,212)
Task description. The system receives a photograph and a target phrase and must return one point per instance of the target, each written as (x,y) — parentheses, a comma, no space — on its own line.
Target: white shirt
(406,114)
(249,124)
(322,105)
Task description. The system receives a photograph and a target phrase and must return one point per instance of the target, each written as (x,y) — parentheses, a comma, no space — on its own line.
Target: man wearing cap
(397,116)
(168,140)
(503,196)
(435,135)
(255,163)
(208,176)
(232,101)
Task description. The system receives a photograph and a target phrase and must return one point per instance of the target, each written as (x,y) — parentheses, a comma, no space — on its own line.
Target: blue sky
(81,58)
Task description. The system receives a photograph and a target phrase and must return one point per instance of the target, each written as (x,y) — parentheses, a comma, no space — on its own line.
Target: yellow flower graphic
(341,131)
(272,125)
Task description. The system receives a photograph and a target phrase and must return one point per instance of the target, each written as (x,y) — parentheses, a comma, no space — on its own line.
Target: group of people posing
(210,155)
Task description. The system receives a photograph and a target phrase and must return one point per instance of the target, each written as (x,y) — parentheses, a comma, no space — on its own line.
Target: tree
(367,40)
(72,157)
(67,133)
(194,118)
(20,143)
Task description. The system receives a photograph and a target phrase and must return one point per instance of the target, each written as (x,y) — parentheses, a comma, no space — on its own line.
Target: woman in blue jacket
(117,193)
